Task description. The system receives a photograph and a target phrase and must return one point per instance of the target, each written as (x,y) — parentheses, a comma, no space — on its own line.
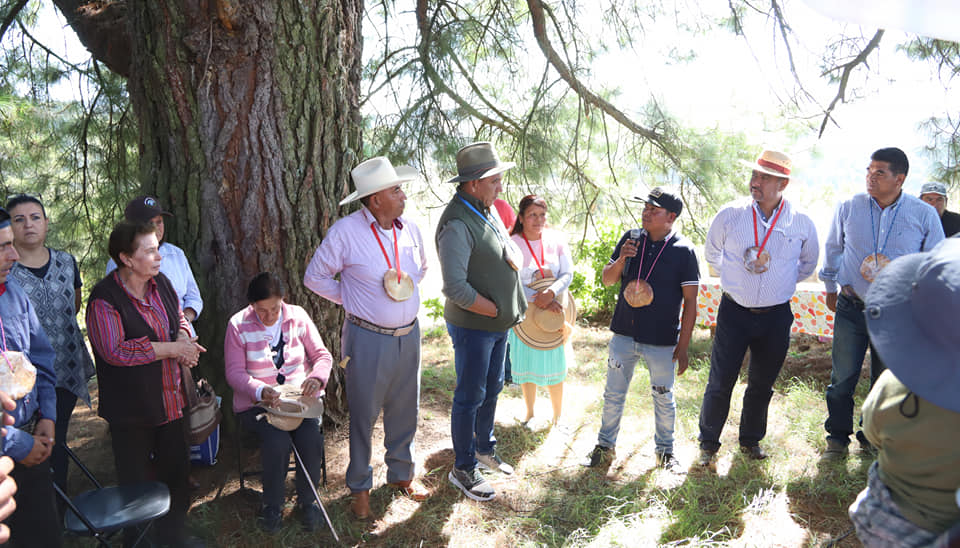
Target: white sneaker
(493,463)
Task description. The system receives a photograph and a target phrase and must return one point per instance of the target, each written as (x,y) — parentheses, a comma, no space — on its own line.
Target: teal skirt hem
(541,367)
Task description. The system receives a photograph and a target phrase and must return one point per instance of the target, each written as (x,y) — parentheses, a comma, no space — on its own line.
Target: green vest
(487,271)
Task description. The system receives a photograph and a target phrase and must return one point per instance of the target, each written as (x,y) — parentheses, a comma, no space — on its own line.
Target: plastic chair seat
(110,509)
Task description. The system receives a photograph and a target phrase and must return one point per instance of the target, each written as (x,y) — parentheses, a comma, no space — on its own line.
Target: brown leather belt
(848,292)
(391,331)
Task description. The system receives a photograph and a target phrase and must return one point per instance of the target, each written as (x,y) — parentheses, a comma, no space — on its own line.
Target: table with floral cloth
(809,305)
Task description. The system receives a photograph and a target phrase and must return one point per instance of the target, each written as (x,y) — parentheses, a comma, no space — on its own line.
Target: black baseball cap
(144,208)
(665,198)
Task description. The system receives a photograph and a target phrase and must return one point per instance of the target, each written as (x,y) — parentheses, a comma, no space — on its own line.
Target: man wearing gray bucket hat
(912,414)
(935,194)
(380,260)
(484,299)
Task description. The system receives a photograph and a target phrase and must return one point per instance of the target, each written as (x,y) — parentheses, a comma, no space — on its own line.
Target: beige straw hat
(543,329)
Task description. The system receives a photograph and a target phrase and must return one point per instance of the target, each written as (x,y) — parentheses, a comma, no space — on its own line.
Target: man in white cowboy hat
(912,414)
(484,300)
(868,231)
(935,194)
(663,260)
(761,246)
(380,257)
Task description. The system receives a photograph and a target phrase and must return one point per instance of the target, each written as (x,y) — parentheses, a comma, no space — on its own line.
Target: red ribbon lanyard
(756,238)
(396,247)
(642,253)
(540,261)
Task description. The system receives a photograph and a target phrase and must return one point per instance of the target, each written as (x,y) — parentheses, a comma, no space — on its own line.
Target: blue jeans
(478,357)
(275,448)
(767,335)
(623,355)
(850,342)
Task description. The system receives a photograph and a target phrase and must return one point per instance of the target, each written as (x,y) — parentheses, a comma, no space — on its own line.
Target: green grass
(791,499)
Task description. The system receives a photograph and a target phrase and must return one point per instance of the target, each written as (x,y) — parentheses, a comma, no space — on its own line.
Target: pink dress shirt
(351,250)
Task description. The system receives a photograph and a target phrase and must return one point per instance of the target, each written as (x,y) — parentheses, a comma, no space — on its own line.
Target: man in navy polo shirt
(657,269)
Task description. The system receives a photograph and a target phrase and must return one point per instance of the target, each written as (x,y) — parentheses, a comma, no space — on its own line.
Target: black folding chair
(102,512)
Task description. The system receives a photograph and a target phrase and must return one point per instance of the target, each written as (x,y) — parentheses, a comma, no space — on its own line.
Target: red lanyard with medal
(757,258)
(540,262)
(397,284)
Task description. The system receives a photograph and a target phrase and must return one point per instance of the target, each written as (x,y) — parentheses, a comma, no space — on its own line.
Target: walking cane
(313,488)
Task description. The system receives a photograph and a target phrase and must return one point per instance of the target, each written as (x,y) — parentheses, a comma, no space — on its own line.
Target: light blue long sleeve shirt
(793,248)
(860,228)
(22,332)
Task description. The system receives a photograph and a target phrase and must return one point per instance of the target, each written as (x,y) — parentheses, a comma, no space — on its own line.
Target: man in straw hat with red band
(868,231)
(912,414)
(380,257)
(761,247)
(479,263)
(662,262)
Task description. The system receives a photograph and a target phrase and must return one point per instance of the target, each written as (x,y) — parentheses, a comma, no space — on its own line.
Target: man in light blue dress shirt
(868,231)
(761,247)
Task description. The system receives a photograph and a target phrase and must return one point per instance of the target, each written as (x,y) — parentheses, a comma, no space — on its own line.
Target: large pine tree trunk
(249,124)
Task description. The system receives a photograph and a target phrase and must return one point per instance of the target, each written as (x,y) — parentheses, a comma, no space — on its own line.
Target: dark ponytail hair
(526,202)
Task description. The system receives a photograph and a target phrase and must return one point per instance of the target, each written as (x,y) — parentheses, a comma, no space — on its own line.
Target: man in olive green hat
(484,300)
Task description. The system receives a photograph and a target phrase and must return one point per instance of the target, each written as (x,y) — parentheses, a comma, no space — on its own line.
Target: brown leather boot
(361,504)
(411,488)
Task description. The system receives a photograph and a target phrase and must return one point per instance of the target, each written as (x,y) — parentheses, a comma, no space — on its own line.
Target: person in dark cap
(935,194)
(912,414)
(659,258)
(174,265)
(761,247)
(479,264)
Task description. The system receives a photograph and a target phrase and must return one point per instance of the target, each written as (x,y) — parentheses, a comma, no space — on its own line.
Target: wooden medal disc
(872,265)
(17,374)
(638,293)
(755,260)
(398,290)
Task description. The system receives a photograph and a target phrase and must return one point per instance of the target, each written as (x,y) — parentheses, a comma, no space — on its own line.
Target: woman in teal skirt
(546,256)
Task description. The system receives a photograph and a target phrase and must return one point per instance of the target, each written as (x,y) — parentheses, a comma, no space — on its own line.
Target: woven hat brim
(757,167)
(404,174)
(531,334)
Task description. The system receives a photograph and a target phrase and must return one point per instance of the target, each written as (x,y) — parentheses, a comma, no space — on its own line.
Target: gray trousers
(383,373)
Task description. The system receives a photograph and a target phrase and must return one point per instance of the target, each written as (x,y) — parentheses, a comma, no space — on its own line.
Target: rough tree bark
(249,124)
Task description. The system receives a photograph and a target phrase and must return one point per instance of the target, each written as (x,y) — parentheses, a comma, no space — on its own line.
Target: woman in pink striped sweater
(271,343)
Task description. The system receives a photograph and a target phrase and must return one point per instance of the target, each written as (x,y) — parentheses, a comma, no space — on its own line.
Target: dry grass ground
(791,499)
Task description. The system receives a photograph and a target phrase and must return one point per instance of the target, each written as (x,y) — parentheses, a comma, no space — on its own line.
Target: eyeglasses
(278,359)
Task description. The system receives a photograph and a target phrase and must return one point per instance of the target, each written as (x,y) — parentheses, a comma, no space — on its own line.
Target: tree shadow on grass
(708,505)
(821,501)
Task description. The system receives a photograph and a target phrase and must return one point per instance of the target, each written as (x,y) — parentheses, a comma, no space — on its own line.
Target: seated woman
(140,339)
(271,343)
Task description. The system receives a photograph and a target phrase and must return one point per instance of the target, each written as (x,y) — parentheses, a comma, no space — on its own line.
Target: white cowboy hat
(543,329)
(373,175)
(478,160)
(771,162)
